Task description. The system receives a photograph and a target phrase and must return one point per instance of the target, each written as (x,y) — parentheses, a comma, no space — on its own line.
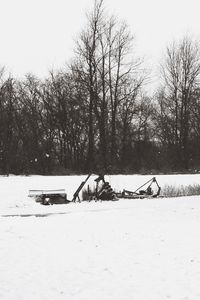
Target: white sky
(38,35)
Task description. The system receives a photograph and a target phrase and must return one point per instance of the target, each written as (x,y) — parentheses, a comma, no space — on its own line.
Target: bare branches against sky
(38,35)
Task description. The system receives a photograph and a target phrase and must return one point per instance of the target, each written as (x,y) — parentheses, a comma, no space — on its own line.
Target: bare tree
(8,135)
(181,73)
(107,65)
(86,50)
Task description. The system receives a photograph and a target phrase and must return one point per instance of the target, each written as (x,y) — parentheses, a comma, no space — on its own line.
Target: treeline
(94,115)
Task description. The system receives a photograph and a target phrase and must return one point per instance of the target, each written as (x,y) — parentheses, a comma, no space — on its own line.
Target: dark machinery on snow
(144,191)
(49,197)
(102,191)
(76,194)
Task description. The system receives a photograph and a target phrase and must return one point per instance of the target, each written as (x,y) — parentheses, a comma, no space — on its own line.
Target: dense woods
(95,115)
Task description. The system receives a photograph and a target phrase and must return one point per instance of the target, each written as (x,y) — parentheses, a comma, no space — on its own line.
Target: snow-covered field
(121,250)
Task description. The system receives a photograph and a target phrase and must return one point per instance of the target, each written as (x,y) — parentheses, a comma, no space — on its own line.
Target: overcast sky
(38,35)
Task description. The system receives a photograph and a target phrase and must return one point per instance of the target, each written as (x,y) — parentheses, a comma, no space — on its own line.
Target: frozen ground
(123,250)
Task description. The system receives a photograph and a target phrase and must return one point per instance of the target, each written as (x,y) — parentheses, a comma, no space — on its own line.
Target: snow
(128,249)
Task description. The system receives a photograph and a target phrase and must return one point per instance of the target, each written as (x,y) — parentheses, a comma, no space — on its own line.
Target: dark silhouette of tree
(181,72)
